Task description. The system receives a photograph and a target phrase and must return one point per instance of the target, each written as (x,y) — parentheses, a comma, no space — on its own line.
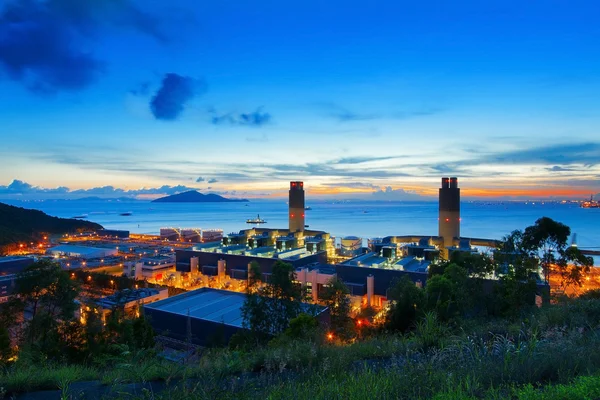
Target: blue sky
(352,97)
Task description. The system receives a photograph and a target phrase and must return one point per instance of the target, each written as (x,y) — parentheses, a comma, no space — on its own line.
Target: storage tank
(351,246)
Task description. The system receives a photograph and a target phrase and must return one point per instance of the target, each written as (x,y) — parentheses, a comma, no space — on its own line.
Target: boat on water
(308,208)
(591,203)
(256,220)
(126,214)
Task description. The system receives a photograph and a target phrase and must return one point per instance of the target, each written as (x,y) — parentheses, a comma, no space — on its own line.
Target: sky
(375,99)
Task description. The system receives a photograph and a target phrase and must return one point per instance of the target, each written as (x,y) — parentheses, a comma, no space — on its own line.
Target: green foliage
(17,225)
(303,326)
(6,350)
(406,305)
(267,312)
(336,296)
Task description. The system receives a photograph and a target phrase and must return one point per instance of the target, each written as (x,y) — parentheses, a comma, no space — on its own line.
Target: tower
(296,206)
(449,213)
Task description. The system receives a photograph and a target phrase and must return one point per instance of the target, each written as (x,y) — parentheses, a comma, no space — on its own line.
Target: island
(193,196)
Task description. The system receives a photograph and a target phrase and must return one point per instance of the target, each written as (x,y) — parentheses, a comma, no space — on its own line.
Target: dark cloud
(587,153)
(558,168)
(255,118)
(175,91)
(213,180)
(200,179)
(46,44)
(361,160)
(143,89)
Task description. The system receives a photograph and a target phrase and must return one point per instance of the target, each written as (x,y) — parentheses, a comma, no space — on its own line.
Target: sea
(365,219)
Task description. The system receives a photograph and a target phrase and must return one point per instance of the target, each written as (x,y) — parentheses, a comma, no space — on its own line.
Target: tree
(5,345)
(546,241)
(49,293)
(336,296)
(405,306)
(254,277)
(267,312)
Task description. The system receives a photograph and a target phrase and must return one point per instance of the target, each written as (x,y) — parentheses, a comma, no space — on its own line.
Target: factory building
(296,206)
(351,246)
(205,317)
(113,234)
(84,252)
(14,264)
(191,235)
(128,300)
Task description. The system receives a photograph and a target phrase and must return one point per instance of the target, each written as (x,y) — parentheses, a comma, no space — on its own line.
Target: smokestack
(449,213)
(296,206)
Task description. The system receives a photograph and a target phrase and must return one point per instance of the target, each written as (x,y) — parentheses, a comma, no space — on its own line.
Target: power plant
(296,206)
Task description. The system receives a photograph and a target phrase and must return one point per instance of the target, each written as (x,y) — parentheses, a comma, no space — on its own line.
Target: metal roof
(214,305)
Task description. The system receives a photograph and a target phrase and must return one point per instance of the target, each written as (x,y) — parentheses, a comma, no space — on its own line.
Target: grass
(551,354)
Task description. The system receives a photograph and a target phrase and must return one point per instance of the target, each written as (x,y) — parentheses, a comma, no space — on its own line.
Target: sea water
(366,219)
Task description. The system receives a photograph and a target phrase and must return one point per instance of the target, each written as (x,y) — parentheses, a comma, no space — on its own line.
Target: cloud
(212,180)
(45,44)
(142,89)
(586,153)
(200,179)
(388,193)
(261,139)
(254,118)
(175,91)
(20,189)
(342,114)
(361,160)
(351,185)
(17,187)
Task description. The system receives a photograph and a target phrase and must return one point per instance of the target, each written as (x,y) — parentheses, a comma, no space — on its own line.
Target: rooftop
(207,304)
(221,306)
(126,296)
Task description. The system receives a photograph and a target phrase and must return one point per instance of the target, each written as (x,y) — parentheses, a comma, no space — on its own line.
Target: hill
(20,224)
(193,196)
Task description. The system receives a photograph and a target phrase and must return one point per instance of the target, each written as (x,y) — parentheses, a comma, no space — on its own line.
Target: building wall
(235,261)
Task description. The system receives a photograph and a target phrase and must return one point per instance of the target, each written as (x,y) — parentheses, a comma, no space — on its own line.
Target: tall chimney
(296,206)
(449,213)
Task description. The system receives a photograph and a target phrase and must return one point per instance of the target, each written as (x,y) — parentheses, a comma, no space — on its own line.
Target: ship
(307,208)
(591,203)
(256,220)
(126,214)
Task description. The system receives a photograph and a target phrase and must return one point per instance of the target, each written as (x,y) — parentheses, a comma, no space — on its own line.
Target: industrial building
(191,235)
(204,317)
(113,234)
(14,264)
(84,252)
(128,300)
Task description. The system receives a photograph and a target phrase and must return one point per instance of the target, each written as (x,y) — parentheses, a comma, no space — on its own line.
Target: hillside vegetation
(23,225)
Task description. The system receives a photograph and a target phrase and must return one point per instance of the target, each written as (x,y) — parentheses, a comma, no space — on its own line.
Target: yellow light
(330,336)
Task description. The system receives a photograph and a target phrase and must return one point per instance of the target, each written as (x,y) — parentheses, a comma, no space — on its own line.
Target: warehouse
(206,317)
(81,251)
